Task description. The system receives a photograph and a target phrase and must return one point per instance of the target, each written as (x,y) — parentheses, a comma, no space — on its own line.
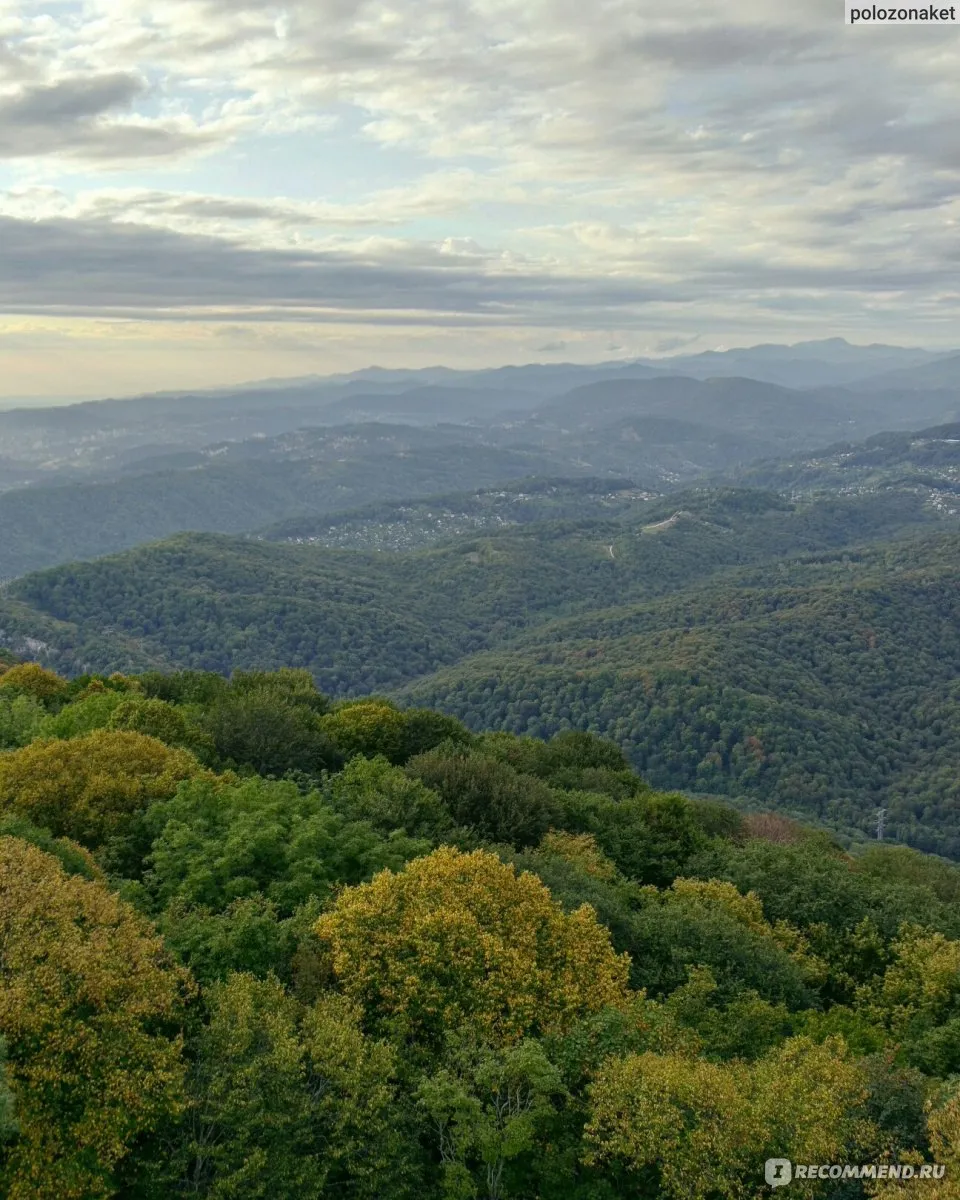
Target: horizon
(9,403)
(202,195)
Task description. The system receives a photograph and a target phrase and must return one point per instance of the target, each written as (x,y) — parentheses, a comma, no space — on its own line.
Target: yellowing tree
(943,1129)
(368,727)
(459,939)
(698,1128)
(581,850)
(923,981)
(84,986)
(87,788)
(30,679)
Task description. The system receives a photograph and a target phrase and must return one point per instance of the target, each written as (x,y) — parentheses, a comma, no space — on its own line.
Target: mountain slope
(829,686)
(924,463)
(245,487)
(802,654)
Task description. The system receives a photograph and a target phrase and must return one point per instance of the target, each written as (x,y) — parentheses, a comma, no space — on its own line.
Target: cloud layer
(694,170)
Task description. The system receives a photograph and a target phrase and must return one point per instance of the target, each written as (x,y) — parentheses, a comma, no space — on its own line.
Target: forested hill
(799,654)
(233,489)
(829,687)
(255,943)
(925,463)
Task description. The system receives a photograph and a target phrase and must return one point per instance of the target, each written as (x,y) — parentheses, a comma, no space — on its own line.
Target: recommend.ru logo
(780,1171)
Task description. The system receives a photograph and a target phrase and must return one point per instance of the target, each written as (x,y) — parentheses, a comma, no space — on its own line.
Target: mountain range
(752,588)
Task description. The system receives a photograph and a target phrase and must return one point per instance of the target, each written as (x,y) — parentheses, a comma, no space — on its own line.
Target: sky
(199,192)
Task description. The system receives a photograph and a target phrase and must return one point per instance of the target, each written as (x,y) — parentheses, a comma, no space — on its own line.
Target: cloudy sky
(196,192)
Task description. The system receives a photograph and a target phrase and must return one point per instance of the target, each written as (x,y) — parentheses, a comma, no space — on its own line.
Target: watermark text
(780,1171)
(880,14)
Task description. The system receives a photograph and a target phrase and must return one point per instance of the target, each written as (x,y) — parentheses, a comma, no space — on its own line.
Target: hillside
(409,524)
(732,641)
(827,686)
(245,486)
(113,476)
(925,463)
(755,410)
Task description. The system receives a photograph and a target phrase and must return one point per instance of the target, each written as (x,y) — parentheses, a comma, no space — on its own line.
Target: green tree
(424,729)
(373,790)
(82,716)
(650,837)
(291,1101)
(20,720)
(260,727)
(217,841)
(488,1108)
(487,796)
(368,727)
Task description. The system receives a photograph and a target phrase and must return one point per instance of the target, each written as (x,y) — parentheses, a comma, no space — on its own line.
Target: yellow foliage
(461,938)
(691,1116)
(746,909)
(709,1127)
(581,850)
(368,727)
(87,787)
(943,1129)
(33,680)
(83,983)
(924,977)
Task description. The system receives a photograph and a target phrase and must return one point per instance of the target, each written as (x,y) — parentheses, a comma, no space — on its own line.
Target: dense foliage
(410,962)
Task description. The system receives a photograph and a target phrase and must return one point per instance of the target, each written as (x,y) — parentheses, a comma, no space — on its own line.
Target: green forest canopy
(257,942)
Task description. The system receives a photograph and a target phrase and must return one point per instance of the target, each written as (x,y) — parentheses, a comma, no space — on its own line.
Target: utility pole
(881,823)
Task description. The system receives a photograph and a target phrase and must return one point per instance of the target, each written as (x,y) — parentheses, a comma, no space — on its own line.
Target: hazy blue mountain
(943,374)
(826,363)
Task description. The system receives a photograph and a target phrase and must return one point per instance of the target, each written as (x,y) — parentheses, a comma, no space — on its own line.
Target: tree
(368,727)
(290,1101)
(290,685)
(487,796)
(82,716)
(217,841)
(649,837)
(262,728)
(917,999)
(155,718)
(694,1128)
(30,679)
(696,924)
(386,796)
(89,788)
(20,719)
(943,1130)
(89,1001)
(580,850)
(425,729)
(461,939)
(487,1108)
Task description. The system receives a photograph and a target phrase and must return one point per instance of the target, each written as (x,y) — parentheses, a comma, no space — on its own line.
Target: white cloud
(703,164)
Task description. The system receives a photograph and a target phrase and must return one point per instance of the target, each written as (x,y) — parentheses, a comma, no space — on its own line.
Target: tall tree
(89,999)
